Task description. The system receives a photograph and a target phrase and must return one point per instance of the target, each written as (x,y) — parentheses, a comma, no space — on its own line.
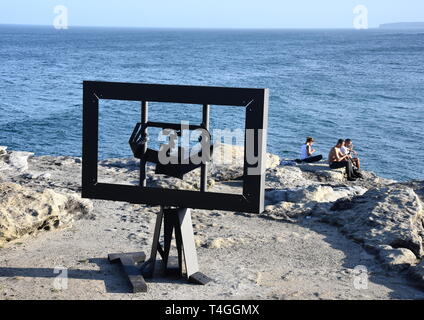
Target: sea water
(365,85)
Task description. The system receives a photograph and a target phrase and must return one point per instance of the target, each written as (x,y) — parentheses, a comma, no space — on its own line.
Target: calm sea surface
(330,84)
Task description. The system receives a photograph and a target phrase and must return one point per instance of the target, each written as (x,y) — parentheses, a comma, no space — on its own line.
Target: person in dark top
(337,160)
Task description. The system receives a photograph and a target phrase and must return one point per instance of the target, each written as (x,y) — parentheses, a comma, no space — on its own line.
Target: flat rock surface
(306,261)
(247,256)
(392,215)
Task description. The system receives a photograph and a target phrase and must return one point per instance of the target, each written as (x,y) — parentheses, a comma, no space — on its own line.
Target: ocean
(365,85)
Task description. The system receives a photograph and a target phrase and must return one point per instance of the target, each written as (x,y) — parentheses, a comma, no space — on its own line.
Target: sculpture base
(174,219)
(129,262)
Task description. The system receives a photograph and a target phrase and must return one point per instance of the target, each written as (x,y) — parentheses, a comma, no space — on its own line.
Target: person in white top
(347,149)
(306,152)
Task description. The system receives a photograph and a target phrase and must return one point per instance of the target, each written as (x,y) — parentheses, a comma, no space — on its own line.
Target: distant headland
(403,25)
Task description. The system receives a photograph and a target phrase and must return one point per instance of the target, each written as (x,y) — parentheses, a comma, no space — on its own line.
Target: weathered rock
(371,180)
(199,241)
(320,173)
(295,202)
(3,159)
(417,272)
(286,177)
(397,259)
(417,186)
(191,182)
(18,160)
(231,155)
(323,173)
(24,212)
(322,193)
(44,176)
(66,161)
(288,211)
(128,163)
(388,216)
(228,160)
(37,175)
(219,243)
(313,193)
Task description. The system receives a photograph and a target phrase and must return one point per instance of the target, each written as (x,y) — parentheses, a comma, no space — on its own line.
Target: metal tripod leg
(170,221)
(189,248)
(148,268)
(168,229)
(173,219)
(179,242)
(180,221)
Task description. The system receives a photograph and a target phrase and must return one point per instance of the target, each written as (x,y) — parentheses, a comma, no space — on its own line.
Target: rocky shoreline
(384,217)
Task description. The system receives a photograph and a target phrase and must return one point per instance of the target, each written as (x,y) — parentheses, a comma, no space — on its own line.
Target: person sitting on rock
(337,160)
(348,149)
(306,152)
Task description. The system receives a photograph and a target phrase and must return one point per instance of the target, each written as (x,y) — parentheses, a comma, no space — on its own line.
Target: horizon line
(191,28)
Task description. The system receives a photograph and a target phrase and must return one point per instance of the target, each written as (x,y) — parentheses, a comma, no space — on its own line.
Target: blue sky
(211,13)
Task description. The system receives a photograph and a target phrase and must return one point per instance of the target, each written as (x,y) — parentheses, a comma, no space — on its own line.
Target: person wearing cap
(307,151)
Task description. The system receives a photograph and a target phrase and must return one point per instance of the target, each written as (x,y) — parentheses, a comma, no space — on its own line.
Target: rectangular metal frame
(255,102)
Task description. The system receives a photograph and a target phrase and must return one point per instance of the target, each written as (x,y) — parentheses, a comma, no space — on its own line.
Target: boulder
(18,160)
(397,259)
(24,211)
(388,216)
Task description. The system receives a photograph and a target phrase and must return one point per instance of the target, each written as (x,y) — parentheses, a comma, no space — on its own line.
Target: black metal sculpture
(174,213)
(177,166)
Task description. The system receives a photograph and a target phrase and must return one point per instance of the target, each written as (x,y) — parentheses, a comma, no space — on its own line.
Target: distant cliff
(403,25)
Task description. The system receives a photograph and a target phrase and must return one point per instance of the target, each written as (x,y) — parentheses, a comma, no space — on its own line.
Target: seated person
(337,160)
(348,149)
(306,152)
